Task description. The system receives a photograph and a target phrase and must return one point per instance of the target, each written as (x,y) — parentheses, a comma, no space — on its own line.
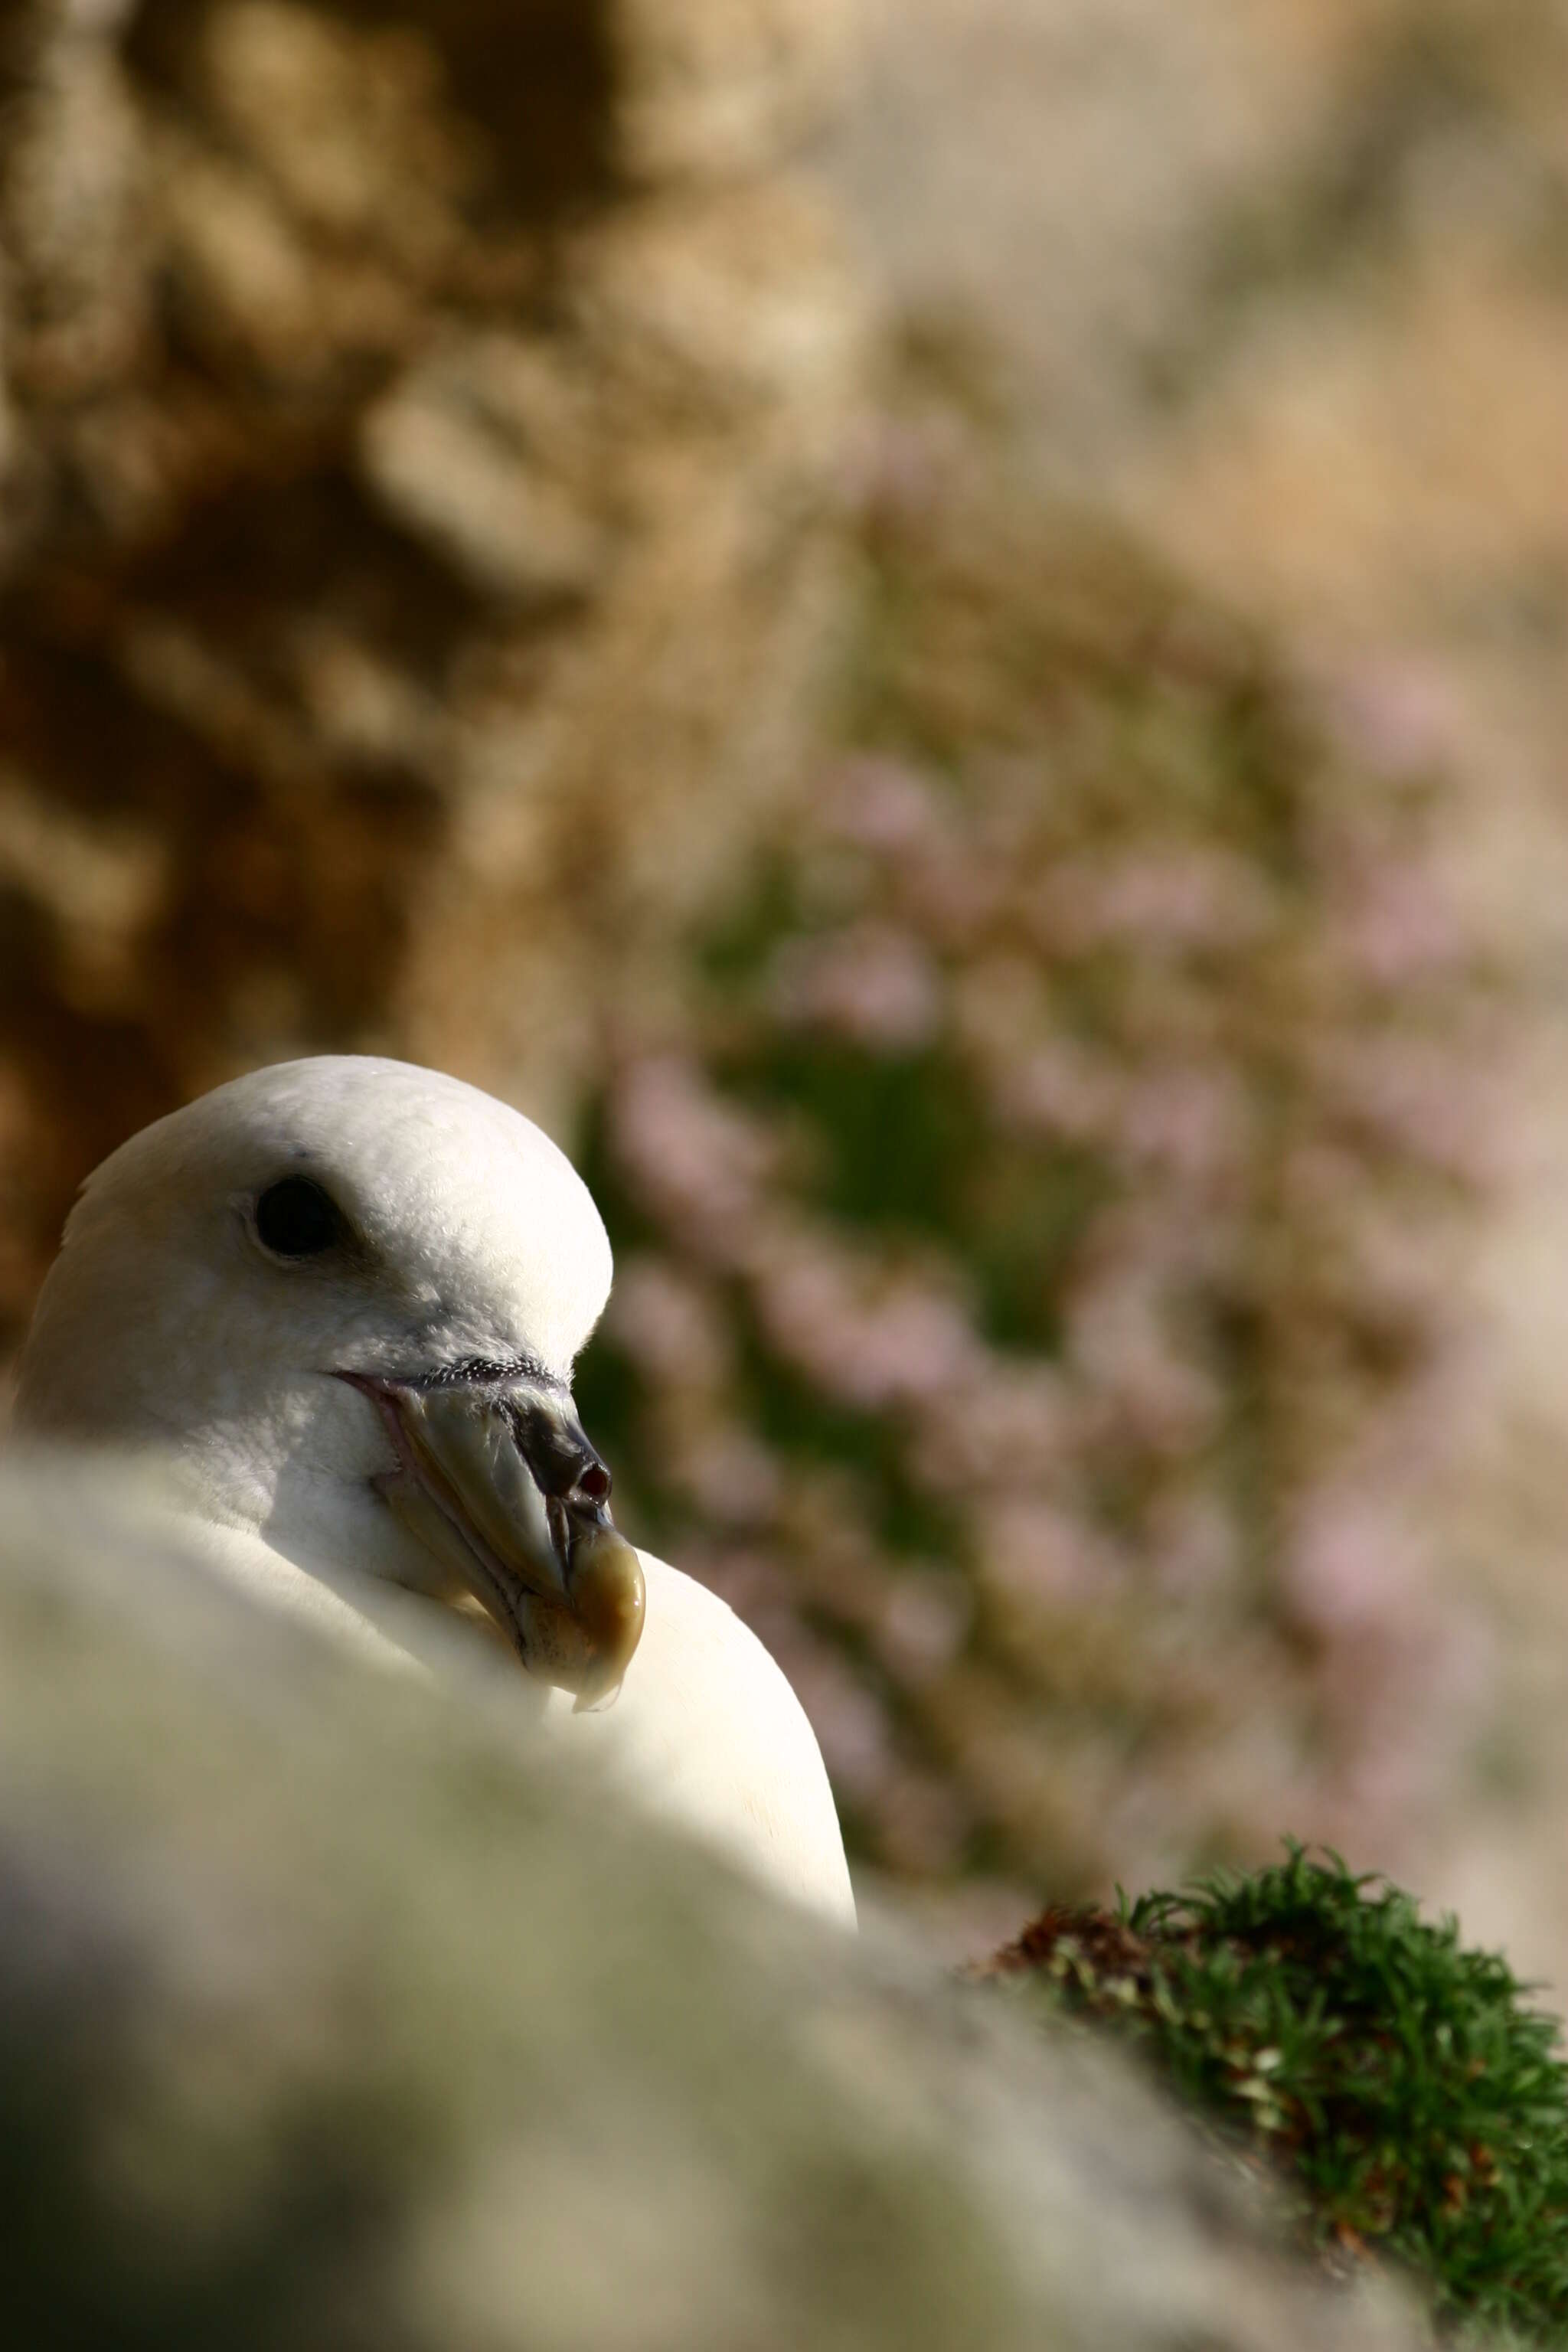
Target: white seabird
(341,1298)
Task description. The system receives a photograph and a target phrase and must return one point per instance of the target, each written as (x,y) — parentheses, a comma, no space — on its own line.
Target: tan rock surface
(418,424)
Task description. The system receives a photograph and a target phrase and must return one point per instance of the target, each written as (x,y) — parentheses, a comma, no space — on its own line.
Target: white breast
(708,1730)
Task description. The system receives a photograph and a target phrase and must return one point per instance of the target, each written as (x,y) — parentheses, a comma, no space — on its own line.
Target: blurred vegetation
(1030,1245)
(1410,2098)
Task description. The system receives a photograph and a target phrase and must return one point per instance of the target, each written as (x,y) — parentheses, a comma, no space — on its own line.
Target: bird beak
(498,1480)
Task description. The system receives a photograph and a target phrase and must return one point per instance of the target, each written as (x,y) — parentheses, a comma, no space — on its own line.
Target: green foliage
(1411,2099)
(1034,1234)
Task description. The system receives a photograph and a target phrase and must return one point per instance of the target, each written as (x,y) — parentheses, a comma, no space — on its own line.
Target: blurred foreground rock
(327,2018)
(415,422)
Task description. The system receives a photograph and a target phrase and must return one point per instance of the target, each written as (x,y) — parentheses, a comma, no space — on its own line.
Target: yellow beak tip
(609,1600)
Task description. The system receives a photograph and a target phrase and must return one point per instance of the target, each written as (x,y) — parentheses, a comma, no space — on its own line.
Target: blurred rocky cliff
(418,421)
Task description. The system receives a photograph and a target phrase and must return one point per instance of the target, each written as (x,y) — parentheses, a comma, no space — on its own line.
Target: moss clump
(1411,2099)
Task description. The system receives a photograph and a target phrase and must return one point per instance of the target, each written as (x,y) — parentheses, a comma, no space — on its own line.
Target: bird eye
(294,1218)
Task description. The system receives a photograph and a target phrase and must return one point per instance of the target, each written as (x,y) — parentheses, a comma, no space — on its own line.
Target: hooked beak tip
(557,1577)
(609,1598)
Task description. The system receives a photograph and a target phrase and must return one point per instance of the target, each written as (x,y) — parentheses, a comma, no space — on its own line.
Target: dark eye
(295,1218)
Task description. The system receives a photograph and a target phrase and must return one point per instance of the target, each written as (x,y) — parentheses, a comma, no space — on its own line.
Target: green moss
(891,1131)
(1413,2100)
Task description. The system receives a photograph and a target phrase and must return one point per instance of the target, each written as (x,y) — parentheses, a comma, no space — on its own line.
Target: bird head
(343,1296)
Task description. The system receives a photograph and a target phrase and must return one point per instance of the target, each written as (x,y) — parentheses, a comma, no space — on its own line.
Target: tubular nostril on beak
(592,1482)
(560,1458)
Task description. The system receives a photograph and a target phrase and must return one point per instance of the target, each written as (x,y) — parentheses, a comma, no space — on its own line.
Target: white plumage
(342,1299)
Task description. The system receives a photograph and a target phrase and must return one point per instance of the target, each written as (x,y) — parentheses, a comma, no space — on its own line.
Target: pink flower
(1409,1092)
(1036,1552)
(1190,1122)
(873,984)
(1351,1559)
(924,1622)
(870,1342)
(1118,1343)
(1175,898)
(1397,715)
(1058,1090)
(1193,1545)
(1398,927)
(696,1162)
(669,1325)
(755,1582)
(1007,1422)
(729,1477)
(880,804)
(953,892)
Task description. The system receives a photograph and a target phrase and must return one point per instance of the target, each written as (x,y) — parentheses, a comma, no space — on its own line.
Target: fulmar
(341,1298)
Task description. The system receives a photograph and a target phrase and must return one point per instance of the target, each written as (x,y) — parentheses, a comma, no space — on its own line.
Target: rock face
(416,429)
(327,2016)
